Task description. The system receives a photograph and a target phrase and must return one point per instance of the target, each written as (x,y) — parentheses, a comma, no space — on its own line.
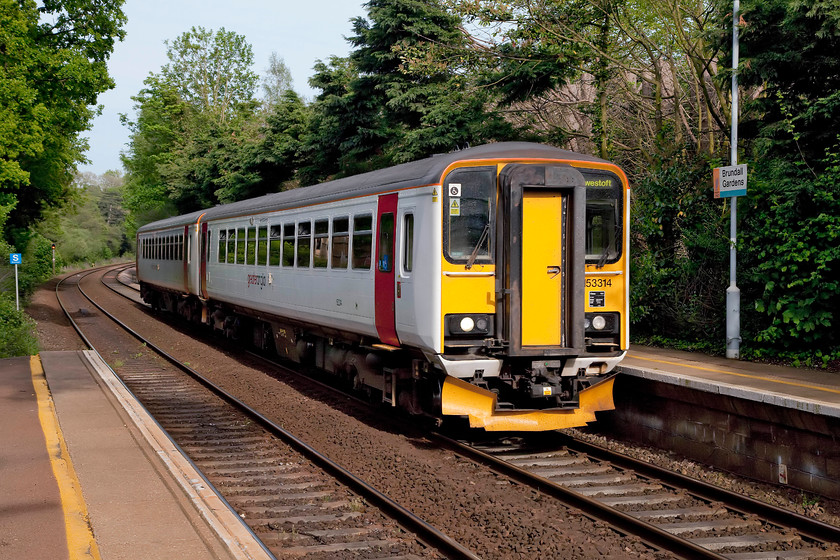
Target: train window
(275,245)
(181,247)
(304,242)
(469,220)
(362,241)
(321,243)
(408,243)
(385,259)
(289,245)
(221,255)
(604,194)
(231,246)
(251,254)
(340,242)
(262,245)
(240,245)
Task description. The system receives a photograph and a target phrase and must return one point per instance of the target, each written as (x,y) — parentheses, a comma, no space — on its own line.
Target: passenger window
(362,241)
(252,246)
(289,245)
(240,245)
(222,251)
(275,246)
(320,247)
(231,246)
(385,262)
(340,242)
(304,242)
(262,245)
(408,242)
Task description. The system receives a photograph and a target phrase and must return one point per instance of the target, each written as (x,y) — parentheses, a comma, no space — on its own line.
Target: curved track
(297,501)
(670,511)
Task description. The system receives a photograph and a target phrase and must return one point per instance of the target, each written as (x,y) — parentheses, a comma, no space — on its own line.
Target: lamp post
(733,294)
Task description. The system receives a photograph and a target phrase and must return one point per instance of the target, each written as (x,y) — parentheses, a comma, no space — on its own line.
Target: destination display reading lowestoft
(730,181)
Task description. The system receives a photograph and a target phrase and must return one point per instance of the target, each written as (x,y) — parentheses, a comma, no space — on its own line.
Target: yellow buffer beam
(460,398)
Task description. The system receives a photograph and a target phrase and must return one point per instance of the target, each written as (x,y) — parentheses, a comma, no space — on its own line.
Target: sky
(301,32)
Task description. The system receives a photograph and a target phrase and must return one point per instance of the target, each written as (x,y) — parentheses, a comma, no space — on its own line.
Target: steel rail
(425,531)
(90,346)
(811,528)
(652,535)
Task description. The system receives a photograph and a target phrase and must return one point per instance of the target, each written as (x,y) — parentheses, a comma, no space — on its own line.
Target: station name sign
(730,181)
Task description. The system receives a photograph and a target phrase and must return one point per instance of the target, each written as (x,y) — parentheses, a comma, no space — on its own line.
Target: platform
(84,473)
(803,389)
(773,423)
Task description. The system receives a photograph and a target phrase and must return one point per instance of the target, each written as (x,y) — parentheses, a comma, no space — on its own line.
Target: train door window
(304,243)
(231,246)
(385,259)
(251,257)
(320,244)
(408,243)
(289,245)
(181,247)
(362,241)
(222,250)
(275,245)
(470,199)
(340,242)
(262,245)
(240,245)
(604,194)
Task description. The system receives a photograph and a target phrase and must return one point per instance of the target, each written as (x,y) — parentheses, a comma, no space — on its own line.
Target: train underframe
(492,392)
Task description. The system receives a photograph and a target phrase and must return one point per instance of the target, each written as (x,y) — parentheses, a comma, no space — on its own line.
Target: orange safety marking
(747,375)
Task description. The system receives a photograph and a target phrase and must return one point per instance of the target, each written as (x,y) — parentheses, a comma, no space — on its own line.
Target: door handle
(553,270)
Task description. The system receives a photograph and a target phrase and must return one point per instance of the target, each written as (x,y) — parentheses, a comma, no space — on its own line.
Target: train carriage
(489,283)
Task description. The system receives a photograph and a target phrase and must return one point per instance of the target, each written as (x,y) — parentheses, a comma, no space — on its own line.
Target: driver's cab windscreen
(470,207)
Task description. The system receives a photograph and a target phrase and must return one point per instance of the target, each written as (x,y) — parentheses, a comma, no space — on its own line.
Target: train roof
(421,172)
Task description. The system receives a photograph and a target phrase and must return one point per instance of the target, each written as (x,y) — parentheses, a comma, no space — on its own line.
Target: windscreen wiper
(485,233)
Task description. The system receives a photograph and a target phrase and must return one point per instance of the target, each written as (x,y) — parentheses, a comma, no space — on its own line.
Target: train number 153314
(598,282)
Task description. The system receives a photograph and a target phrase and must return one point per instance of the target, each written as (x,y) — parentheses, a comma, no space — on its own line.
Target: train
(489,284)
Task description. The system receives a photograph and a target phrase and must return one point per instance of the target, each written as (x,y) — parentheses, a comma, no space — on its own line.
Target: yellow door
(542,278)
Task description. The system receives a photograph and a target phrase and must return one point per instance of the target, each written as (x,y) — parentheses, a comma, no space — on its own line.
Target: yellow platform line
(80,542)
(746,375)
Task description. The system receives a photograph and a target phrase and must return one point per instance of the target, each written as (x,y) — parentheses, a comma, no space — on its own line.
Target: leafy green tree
(375,110)
(192,119)
(53,65)
(276,81)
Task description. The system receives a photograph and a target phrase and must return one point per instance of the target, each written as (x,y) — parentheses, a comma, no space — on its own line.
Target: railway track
(295,500)
(688,517)
(672,512)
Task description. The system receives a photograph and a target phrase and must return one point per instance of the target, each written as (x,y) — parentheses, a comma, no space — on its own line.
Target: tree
(53,65)
(192,118)
(276,82)
(791,223)
(376,110)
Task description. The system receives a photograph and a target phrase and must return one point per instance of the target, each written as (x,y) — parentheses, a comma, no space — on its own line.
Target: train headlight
(469,325)
(604,322)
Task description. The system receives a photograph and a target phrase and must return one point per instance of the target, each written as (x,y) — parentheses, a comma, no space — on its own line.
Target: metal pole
(733,294)
(17,290)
